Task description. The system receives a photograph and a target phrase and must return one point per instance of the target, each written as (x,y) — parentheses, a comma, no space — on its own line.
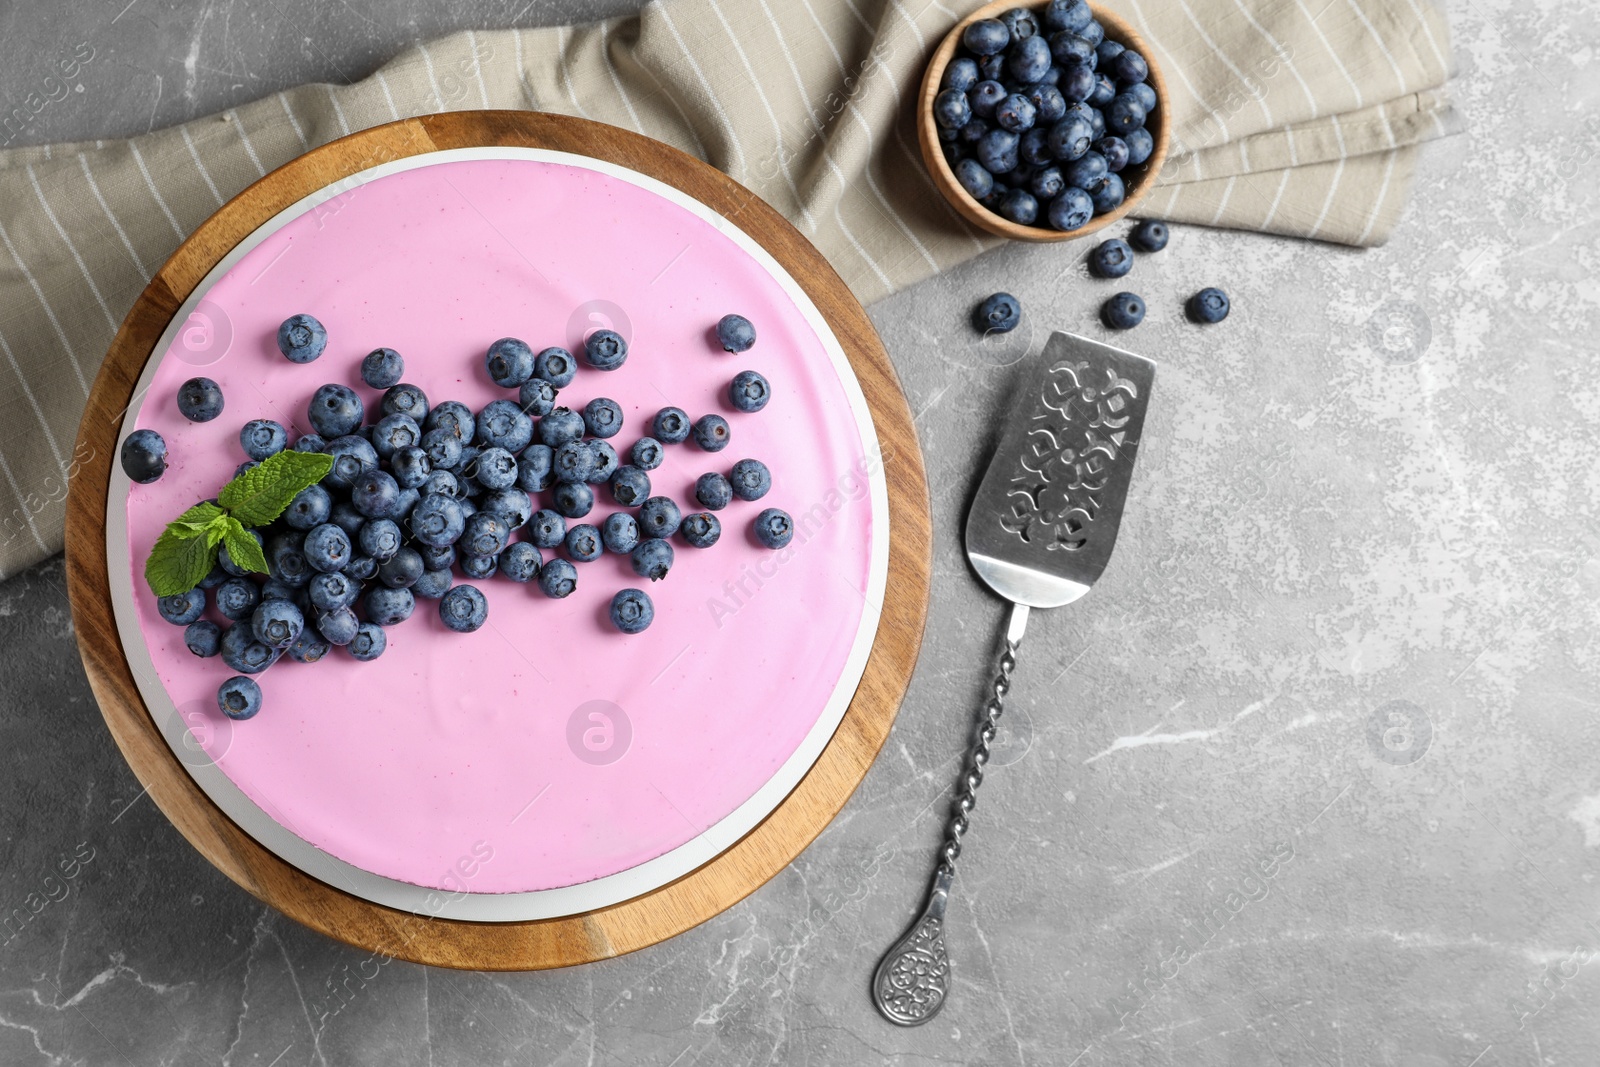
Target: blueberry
(651,558)
(632,611)
(1115,152)
(584,544)
(376,495)
(713,491)
(497,468)
(520,561)
(620,532)
(435,558)
(671,425)
(1145,94)
(1071,209)
(394,432)
(301,338)
(225,561)
(239,698)
(1111,259)
(547,529)
(974,178)
(750,479)
(1071,15)
(605,350)
(502,424)
(1108,50)
(556,366)
(453,417)
(1086,170)
(1093,32)
(1149,236)
(243,653)
(748,391)
(443,448)
(1047,183)
(646,453)
(735,333)
(1129,68)
(335,410)
(701,529)
(387,607)
(464,609)
(984,97)
(998,151)
(1210,305)
(1028,59)
(276,622)
(511,506)
(200,399)
(403,570)
(951,109)
(144,456)
(1021,22)
(327,548)
(1019,207)
(214,577)
(1123,311)
(203,637)
(484,535)
(368,643)
(509,362)
(341,626)
(997,313)
(1048,101)
(992,68)
(1015,113)
(961,74)
(309,647)
(573,462)
(774,528)
(437,520)
(183,608)
(382,368)
(1106,193)
(406,399)
(1105,91)
(1140,145)
(537,396)
(1126,112)
(1073,50)
(245,467)
(605,462)
(310,442)
(344,515)
(986,37)
(560,426)
(1034,149)
(237,597)
(558,579)
(711,433)
(443,483)
(411,467)
(534,470)
(433,584)
(968,136)
(362,568)
(479,566)
(330,592)
(659,517)
(573,499)
(1070,137)
(630,486)
(380,539)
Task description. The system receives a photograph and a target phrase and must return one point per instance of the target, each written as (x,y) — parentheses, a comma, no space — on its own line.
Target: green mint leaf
(260,494)
(197,519)
(242,548)
(178,561)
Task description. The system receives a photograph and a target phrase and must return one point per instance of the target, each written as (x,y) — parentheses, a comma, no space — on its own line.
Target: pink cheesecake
(545,755)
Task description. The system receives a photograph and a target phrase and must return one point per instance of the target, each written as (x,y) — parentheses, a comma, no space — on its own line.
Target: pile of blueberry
(418,490)
(1040,113)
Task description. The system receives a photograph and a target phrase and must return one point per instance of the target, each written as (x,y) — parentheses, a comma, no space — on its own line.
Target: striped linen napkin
(1297,117)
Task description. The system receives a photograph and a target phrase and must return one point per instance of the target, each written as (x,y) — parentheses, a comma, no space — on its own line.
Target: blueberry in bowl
(1043,121)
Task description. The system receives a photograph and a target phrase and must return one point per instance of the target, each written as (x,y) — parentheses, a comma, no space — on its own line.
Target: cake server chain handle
(913,979)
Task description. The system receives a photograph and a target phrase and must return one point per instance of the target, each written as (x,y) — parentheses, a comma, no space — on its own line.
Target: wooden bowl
(608,931)
(1139,180)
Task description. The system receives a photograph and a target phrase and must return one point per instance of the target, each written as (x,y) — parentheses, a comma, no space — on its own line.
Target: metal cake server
(1039,533)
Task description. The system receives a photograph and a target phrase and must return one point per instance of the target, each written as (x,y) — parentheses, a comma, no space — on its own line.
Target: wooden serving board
(611,931)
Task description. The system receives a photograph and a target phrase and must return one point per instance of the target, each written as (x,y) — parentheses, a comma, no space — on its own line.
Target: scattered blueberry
(620,532)
(301,338)
(406,399)
(652,558)
(204,638)
(520,561)
(748,391)
(630,486)
(602,417)
(605,350)
(310,442)
(535,469)
(509,362)
(584,544)
(997,313)
(671,425)
(556,366)
(144,456)
(1111,259)
(200,399)
(558,579)
(1210,305)
(774,528)
(464,609)
(1149,236)
(547,529)
(711,433)
(646,453)
(368,643)
(573,499)
(239,698)
(632,610)
(1123,311)
(382,368)
(750,479)
(659,517)
(713,491)
(700,529)
(335,410)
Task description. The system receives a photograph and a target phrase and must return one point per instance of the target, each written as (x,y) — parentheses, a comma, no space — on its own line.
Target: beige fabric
(1297,117)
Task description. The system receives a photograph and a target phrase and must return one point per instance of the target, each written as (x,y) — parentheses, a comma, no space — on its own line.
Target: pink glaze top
(548,742)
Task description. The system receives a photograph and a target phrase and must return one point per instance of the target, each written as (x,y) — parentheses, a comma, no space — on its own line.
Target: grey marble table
(1310,778)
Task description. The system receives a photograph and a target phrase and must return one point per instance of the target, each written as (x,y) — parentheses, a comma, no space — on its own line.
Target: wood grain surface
(623,927)
(1140,180)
